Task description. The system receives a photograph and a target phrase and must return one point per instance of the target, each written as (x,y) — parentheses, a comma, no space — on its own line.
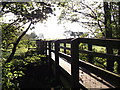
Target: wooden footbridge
(65,58)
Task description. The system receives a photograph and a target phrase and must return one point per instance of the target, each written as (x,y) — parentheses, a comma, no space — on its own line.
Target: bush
(15,69)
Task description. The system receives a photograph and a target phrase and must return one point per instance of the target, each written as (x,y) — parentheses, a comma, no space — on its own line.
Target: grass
(99,49)
(21,50)
(28,70)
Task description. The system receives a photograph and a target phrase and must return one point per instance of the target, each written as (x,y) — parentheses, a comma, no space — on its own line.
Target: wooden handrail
(103,55)
(113,43)
(76,63)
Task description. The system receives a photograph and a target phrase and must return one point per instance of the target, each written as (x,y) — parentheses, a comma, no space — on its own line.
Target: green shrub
(15,69)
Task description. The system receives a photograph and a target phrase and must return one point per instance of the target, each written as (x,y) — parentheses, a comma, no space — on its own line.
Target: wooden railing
(73,47)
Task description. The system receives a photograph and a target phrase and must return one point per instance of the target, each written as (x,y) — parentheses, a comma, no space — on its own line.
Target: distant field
(99,48)
(96,48)
(21,50)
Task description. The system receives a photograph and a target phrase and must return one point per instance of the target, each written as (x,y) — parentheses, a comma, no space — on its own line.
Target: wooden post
(45,51)
(49,51)
(110,61)
(108,32)
(52,45)
(57,60)
(75,63)
(49,59)
(89,56)
(64,48)
(40,46)
(45,47)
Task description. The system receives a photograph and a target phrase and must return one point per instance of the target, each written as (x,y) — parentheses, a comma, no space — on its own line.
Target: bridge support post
(45,48)
(89,56)
(75,63)
(57,60)
(110,62)
(64,48)
(40,46)
(49,59)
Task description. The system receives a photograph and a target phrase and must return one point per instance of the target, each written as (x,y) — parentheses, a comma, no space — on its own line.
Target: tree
(40,36)
(25,12)
(80,12)
(33,35)
(8,36)
(76,34)
(92,16)
(70,33)
(115,10)
(67,33)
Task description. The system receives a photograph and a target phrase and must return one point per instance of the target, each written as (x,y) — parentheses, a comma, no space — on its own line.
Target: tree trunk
(108,34)
(107,22)
(16,43)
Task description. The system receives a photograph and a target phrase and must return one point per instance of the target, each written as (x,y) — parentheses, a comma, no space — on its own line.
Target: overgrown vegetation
(18,60)
(23,67)
(100,62)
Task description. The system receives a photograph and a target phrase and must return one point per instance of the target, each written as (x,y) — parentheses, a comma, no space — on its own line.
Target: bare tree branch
(16,43)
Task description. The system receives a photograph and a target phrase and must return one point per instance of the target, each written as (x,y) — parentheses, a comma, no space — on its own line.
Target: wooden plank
(106,75)
(65,48)
(65,40)
(90,80)
(49,59)
(52,50)
(65,78)
(113,43)
(82,76)
(65,56)
(75,63)
(110,77)
(110,61)
(90,57)
(45,48)
(65,70)
(57,60)
(49,53)
(103,55)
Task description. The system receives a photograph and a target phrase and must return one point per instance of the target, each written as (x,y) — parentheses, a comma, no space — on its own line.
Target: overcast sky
(51,29)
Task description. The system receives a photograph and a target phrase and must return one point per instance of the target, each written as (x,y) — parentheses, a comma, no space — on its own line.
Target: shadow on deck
(37,76)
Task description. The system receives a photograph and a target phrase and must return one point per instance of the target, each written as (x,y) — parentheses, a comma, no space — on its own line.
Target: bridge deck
(86,78)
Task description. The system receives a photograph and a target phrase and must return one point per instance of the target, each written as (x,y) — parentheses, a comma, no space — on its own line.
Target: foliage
(15,69)
(70,33)
(8,36)
(82,56)
(97,61)
(85,14)
(25,12)
(32,35)
(94,16)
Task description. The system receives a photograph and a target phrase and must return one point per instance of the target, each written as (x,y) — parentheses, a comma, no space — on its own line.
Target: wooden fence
(73,46)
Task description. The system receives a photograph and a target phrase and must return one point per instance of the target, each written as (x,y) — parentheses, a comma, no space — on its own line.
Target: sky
(51,29)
